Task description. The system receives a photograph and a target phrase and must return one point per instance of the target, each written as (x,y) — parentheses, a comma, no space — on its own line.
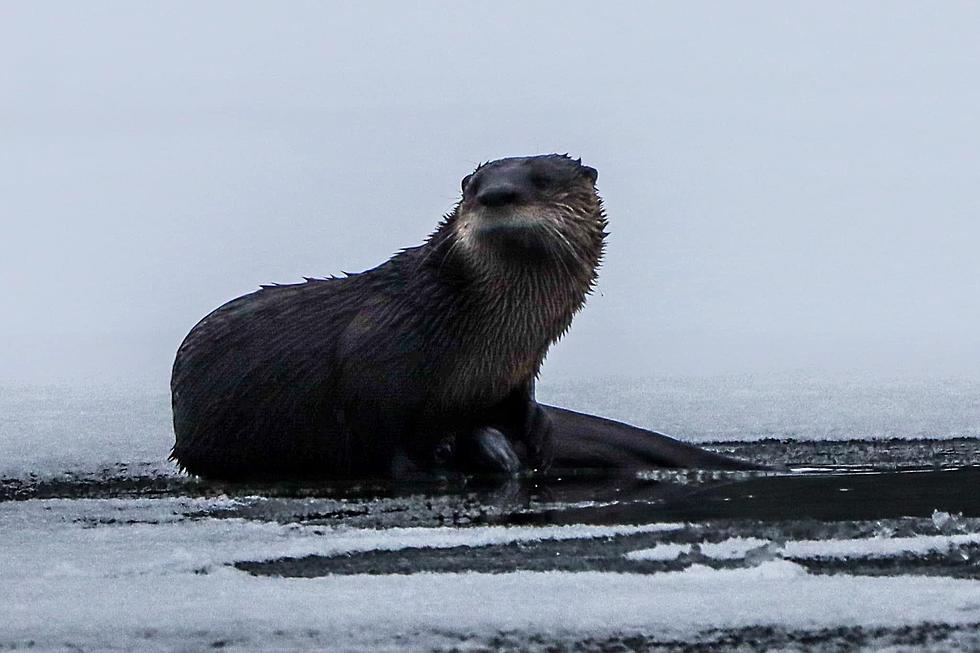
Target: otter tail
(586,441)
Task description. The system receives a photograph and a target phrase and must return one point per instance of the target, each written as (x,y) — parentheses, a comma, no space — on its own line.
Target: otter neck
(505,314)
(533,302)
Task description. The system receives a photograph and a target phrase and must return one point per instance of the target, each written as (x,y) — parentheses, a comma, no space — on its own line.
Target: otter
(425,364)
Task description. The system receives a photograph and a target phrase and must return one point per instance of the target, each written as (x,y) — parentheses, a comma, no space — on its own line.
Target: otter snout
(501,193)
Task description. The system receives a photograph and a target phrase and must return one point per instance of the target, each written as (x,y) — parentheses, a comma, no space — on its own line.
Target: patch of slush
(140,574)
(737,548)
(877,547)
(734,548)
(172,542)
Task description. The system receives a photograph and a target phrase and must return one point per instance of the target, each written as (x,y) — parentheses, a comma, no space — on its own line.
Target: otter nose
(500,194)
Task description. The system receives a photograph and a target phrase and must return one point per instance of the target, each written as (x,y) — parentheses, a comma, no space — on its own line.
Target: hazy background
(790,186)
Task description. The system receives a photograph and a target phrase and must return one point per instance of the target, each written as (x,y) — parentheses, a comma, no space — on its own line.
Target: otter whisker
(564,241)
(560,243)
(457,242)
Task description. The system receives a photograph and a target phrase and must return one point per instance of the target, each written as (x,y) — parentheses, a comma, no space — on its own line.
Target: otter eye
(466,182)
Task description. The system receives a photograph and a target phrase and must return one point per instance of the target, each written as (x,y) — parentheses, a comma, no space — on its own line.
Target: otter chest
(499,334)
(485,367)
(482,377)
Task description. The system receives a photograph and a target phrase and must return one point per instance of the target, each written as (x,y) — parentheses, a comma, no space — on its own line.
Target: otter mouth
(506,225)
(507,230)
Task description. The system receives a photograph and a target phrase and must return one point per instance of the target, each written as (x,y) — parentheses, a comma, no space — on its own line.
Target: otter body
(424,363)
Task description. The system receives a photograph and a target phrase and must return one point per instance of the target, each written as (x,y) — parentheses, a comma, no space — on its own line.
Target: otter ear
(466,182)
(591,173)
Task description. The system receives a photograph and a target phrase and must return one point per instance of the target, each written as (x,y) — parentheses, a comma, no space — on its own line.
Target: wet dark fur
(397,368)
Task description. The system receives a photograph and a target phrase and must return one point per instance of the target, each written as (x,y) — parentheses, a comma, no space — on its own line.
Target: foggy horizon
(788,187)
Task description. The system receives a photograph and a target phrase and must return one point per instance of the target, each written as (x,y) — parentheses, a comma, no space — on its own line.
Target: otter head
(536,210)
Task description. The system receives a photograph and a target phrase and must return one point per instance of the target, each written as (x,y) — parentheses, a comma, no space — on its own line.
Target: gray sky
(789,185)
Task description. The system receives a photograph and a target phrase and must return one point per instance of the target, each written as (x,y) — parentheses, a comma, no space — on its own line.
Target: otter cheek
(464,232)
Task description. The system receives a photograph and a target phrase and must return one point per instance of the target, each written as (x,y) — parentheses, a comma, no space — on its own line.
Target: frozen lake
(873,543)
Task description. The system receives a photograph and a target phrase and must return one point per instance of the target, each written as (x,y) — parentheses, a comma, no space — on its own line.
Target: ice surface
(877,547)
(789,405)
(50,430)
(145,574)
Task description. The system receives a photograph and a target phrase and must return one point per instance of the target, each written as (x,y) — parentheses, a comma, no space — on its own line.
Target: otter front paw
(489,451)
